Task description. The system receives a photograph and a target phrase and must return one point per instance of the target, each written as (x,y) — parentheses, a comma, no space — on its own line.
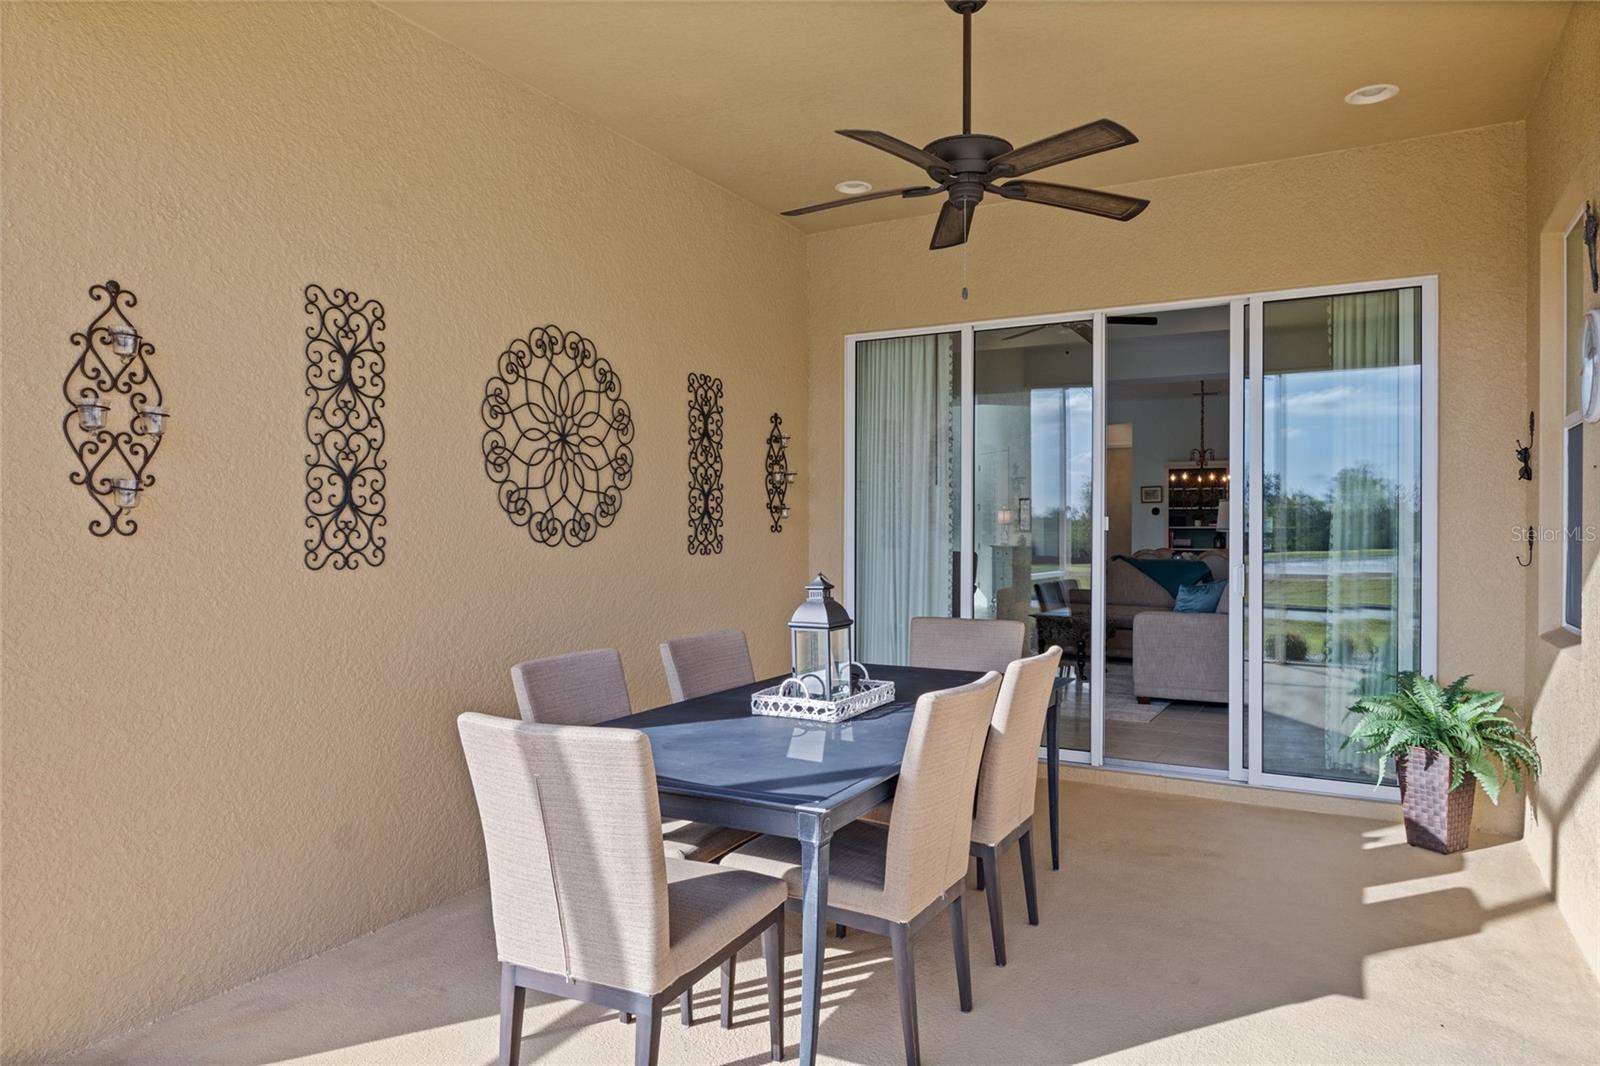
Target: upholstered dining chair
(1008,782)
(892,880)
(711,662)
(587,688)
(966,643)
(585,904)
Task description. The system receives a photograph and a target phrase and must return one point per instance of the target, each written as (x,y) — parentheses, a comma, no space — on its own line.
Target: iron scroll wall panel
(778,476)
(558,437)
(705,464)
(345,471)
(111,385)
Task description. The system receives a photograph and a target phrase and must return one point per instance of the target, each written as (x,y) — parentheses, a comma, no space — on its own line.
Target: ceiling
(747,93)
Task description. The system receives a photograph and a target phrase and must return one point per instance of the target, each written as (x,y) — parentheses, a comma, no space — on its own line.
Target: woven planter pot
(1436,818)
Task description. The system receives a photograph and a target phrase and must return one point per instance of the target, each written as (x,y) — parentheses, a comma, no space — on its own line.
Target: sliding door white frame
(1429,288)
(1243,308)
(1099,520)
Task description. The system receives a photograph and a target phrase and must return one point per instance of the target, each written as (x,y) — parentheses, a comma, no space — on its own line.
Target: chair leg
(997,921)
(1029,888)
(772,953)
(905,977)
(647,1037)
(686,1006)
(728,967)
(511,1000)
(838,930)
(958,937)
(624,1017)
(980,874)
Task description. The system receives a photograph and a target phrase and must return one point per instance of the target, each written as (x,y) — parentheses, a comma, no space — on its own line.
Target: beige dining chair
(966,643)
(1008,782)
(587,688)
(585,904)
(893,880)
(710,662)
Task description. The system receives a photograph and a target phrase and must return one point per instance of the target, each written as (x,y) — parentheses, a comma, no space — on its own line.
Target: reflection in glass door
(905,452)
(1340,554)
(1032,487)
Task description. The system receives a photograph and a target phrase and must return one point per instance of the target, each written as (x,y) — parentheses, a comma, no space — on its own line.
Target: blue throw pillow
(1202,598)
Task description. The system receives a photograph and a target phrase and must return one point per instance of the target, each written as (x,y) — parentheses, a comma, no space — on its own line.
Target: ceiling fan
(1085,329)
(967,165)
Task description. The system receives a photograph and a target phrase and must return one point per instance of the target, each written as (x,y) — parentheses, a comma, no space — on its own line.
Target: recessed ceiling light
(1372,94)
(854,188)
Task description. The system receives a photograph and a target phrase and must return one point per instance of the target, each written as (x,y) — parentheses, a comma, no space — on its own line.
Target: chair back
(1008,776)
(966,643)
(572,829)
(583,688)
(932,823)
(708,663)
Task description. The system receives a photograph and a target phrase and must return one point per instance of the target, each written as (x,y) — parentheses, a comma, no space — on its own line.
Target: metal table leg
(816,832)
(1052,758)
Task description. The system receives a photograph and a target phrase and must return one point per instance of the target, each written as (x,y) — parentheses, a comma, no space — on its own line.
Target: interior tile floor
(1178,930)
(1179,734)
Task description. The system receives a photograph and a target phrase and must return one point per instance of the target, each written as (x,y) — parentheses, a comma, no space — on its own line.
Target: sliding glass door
(1033,449)
(1342,551)
(906,496)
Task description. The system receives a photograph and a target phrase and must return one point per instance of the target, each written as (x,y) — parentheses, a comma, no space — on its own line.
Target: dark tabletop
(713,747)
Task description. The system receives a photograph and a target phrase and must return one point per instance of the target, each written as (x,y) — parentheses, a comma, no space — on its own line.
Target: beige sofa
(1181,655)
(1130,593)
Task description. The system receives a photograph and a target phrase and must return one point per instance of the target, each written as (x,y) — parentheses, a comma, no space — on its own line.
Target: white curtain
(907,470)
(1373,591)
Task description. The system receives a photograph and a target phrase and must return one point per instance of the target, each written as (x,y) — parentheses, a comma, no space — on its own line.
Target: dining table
(717,762)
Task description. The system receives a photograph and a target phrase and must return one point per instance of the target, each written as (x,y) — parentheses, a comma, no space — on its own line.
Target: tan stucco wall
(1450,205)
(1563,831)
(216,761)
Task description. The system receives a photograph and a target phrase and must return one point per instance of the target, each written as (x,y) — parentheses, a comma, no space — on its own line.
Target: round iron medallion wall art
(558,443)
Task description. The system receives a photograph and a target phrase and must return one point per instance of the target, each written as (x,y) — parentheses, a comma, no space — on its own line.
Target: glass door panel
(1341,521)
(1032,488)
(907,506)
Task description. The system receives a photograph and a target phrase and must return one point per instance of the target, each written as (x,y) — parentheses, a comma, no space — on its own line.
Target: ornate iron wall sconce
(345,475)
(1525,454)
(779,476)
(111,384)
(1591,233)
(705,464)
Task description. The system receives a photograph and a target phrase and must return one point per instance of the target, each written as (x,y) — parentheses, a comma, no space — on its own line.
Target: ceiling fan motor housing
(968,156)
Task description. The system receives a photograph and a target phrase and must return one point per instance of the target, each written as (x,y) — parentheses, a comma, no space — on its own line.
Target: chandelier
(1204,459)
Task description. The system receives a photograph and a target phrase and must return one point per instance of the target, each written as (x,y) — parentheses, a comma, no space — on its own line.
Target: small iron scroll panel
(558,439)
(345,471)
(115,418)
(705,464)
(778,475)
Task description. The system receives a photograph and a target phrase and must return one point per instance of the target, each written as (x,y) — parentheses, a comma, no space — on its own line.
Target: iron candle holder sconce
(111,385)
(779,476)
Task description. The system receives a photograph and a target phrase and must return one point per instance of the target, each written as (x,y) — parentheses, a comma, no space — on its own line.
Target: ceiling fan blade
(896,147)
(953,227)
(1025,332)
(1089,201)
(916,190)
(1101,136)
(1132,320)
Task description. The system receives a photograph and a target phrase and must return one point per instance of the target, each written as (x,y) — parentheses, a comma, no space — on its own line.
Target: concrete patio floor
(1178,930)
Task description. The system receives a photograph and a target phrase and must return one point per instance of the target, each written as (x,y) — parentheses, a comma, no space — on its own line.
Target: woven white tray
(773,701)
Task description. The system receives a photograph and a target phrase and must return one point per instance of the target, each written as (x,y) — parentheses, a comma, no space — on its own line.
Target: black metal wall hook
(1591,231)
(1525,454)
(1530,550)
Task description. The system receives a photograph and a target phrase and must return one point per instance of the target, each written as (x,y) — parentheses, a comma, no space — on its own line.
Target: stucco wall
(216,761)
(1564,676)
(1450,205)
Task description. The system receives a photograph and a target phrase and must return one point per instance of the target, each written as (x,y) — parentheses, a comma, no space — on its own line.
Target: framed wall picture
(1150,493)
(1024,514)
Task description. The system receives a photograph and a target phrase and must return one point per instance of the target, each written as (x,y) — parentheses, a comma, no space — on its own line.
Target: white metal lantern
(822,644)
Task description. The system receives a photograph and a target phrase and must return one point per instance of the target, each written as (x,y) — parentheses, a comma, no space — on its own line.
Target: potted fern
(1442,740)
